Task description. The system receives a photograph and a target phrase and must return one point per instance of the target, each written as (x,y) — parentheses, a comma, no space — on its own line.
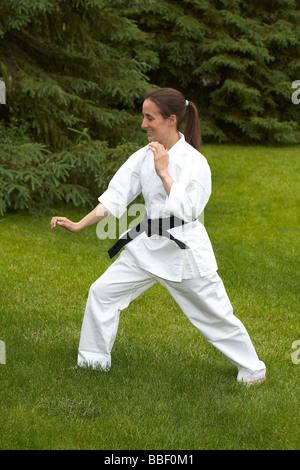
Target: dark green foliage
(73,75)
(35,179)
(70,64)
(76,72)
(86,64)
(236,59)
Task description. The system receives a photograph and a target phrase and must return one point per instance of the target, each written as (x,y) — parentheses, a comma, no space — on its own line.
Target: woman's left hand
(161,158)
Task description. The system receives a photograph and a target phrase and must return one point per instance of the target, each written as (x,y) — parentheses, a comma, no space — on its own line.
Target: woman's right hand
(65,223)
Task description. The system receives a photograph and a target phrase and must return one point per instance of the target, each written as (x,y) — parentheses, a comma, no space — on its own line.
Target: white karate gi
(189,275)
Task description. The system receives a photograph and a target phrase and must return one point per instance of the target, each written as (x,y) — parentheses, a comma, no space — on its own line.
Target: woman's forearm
(93,217)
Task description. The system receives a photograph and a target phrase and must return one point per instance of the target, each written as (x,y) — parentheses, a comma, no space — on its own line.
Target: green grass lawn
(168,388)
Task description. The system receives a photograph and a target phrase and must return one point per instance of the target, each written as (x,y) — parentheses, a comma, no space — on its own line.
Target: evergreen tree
(236,59)
(75,73)
(73,64)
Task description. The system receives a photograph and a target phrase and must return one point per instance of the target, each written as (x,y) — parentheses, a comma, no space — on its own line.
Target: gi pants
(203,300)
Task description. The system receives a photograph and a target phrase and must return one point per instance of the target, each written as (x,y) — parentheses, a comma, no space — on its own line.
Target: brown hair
(170,101)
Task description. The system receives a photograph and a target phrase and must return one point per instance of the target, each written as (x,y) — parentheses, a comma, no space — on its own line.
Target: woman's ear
(173,120)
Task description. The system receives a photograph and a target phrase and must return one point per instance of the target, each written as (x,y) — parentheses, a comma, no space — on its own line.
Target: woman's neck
(171,141)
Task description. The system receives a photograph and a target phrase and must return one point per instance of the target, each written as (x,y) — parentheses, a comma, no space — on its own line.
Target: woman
(170,247)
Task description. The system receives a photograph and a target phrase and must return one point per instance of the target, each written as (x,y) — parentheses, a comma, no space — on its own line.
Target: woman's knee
(101,290)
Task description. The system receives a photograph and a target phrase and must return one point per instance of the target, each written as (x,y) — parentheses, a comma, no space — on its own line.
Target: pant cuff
(245,375)
(93,360)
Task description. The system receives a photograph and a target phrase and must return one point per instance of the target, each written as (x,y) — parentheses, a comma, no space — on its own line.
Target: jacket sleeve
(125,186)
(190,193)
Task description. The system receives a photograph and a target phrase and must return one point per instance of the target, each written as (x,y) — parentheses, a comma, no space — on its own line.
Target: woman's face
(157,127)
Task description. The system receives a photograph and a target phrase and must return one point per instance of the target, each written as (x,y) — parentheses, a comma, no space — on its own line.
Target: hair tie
(186,103)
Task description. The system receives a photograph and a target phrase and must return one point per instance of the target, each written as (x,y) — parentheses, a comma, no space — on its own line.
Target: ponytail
(192,126)
(170,101)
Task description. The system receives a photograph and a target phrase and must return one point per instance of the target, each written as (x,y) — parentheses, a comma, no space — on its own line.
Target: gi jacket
(188,196)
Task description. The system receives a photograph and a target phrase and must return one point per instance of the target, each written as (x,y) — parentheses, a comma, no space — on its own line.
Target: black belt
(151,227)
